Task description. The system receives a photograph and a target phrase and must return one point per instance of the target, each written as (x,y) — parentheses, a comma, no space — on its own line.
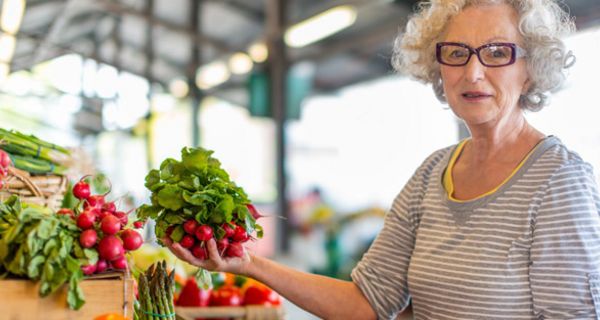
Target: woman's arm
(565,267)
(325,297)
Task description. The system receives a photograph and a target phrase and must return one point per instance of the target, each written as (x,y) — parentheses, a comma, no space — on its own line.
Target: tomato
(261,295)
(226,296)
(192,296)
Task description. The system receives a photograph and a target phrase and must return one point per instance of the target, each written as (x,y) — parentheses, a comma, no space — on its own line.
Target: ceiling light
(12,14)
(240,63)
(211,75)
(320,26)
(7,47)
(179,88)
(258,52)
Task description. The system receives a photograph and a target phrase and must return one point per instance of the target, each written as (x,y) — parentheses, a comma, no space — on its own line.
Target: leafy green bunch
(39,245)
(195,188)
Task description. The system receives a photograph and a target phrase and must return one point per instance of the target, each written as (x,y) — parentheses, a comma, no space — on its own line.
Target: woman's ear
(526,86)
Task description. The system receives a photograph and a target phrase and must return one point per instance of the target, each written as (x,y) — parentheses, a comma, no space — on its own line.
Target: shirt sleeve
(381,274)
(565,266)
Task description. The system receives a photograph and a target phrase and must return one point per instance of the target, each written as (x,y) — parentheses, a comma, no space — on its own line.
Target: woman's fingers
(213,251)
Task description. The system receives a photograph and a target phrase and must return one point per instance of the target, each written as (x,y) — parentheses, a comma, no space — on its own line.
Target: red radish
(88,238)
(139,224)
(103,214)
(81,190)
(187,241)
(95,201)
(254,212)
(222,245)
(169,230)
(85,220)
(110,248)
(4,159)
(110,207)
(199,252)
(240,234)
(119,263)
(88,269)
(110,224)
(132,240)
(101,266)
(66,211)
(228,230)
(204,233)
(190,226)
(235,250)
(122,217)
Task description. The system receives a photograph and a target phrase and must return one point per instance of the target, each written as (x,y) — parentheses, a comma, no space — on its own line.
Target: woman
(504,225)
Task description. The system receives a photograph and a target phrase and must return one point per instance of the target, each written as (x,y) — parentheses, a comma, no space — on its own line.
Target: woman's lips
(475,96)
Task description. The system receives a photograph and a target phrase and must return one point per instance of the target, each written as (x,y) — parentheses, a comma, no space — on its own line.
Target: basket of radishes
(194,200)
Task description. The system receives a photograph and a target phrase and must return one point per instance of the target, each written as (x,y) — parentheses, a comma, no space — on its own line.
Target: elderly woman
(503,225)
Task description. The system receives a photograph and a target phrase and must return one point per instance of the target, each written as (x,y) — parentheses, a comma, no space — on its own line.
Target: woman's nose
(474,70)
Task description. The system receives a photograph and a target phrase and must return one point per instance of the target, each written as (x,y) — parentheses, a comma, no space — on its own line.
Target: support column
(196,95)
(278,69)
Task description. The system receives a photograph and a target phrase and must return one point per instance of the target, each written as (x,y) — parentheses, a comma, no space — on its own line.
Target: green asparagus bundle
(155,288)
(32,154)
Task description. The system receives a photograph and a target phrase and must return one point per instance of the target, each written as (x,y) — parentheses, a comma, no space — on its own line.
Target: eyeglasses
(496,54)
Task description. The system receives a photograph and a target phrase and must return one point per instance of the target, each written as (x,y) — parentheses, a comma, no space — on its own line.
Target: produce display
(62,247)
(156,293)
(228,291)
(194,200)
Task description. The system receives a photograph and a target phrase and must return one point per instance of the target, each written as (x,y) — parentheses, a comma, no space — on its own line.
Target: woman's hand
(214,262)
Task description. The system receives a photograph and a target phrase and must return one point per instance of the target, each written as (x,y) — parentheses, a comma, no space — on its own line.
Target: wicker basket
(44,190)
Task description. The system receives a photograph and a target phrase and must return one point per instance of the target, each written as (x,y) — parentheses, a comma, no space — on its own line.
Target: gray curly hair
(542,24)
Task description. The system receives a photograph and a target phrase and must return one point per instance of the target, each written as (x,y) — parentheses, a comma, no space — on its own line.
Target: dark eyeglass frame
(516,52)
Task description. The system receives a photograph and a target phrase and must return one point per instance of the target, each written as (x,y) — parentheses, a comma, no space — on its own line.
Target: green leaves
(39,245)
(195,160)
(170,197)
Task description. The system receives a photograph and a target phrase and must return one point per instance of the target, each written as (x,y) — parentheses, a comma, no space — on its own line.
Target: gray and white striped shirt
(531,250)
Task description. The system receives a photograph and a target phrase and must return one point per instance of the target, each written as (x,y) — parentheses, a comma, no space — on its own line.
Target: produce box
(104,293)
(236,313)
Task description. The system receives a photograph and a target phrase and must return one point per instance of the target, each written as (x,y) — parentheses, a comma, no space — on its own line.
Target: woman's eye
(458,54)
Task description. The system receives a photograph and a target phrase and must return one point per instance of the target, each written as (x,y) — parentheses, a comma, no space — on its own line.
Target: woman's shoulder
(561,163)
(437,157)
(557,154)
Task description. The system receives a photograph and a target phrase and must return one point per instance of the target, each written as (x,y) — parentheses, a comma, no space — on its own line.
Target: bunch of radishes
(4,164)
(229,236)
(103,228)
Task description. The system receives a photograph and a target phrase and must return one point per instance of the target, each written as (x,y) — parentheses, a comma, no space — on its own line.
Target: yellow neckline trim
(449,183)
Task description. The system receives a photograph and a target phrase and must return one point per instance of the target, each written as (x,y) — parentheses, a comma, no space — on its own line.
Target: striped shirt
(530,250)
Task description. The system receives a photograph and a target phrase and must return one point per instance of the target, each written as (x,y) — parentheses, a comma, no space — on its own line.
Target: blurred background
(296,97)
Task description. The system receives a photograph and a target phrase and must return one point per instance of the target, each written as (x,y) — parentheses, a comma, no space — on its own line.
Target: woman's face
(478,94)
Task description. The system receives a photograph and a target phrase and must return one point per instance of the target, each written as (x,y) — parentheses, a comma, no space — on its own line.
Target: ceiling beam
(69,49)
(257,16)
(366,39)
(193,35)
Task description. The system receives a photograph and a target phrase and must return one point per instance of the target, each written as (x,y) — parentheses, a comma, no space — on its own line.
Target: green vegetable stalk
(156,294)
(32,154)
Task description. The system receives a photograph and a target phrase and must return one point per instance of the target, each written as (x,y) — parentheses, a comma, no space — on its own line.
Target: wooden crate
(237,313)
(107,293)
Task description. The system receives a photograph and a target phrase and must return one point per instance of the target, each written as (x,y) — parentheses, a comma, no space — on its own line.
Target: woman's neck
(505,142)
